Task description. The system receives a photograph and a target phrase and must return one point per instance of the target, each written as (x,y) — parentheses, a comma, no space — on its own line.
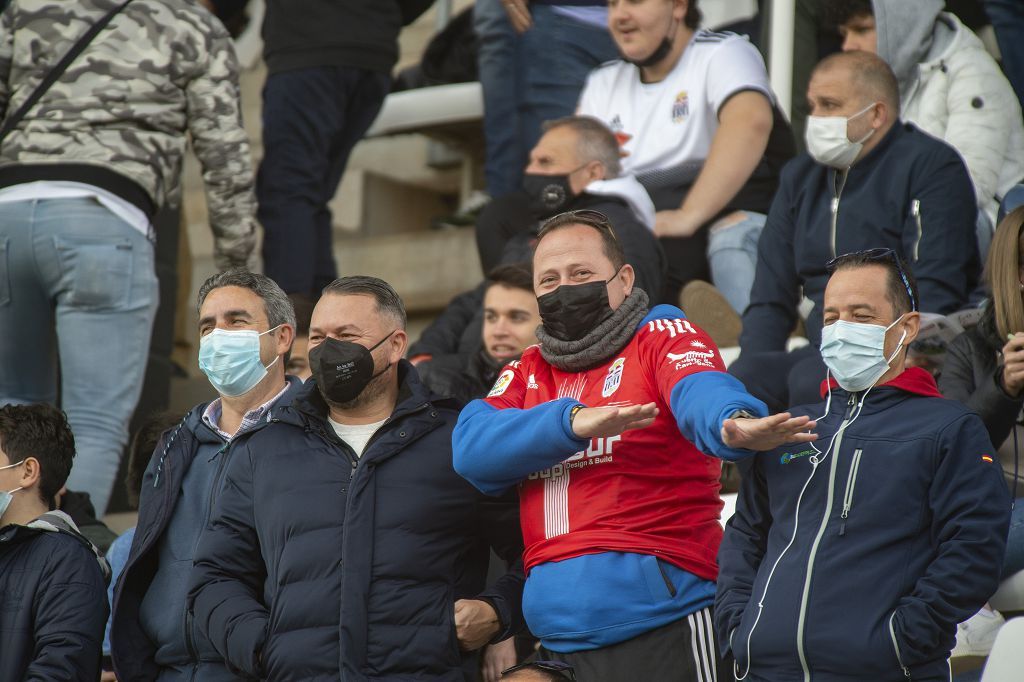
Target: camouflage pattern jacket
(161,70)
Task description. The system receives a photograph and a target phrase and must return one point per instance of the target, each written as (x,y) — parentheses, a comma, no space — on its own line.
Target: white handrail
(780,57)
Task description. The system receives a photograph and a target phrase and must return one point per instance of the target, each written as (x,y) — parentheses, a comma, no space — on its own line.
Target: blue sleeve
(940,241)
(743,548)
(496,449)
(970,519)
(702,401)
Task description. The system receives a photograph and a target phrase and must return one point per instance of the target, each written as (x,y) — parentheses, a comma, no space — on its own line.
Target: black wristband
(572,413)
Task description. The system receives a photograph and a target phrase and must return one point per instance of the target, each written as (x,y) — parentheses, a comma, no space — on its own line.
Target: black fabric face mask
(660,52)
(572,311)
(549,194)
(342,369)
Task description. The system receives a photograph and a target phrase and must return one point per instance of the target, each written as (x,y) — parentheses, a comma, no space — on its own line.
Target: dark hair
(835,13)
(389,303)
(595,141)
(693,15)
(512,276)
(276,303)
(869,73)
(40,431)
(598,222)
(141,448)
(901,287)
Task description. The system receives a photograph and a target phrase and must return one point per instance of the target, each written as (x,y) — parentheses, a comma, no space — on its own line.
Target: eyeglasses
(586,216)
(563,670)
(876,255)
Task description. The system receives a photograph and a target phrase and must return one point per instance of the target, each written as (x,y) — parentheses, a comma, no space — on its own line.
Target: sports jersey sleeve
(496,443)
(691,379)
(736,66)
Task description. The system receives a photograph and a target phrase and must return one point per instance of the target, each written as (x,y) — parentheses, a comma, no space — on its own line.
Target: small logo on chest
(614,378)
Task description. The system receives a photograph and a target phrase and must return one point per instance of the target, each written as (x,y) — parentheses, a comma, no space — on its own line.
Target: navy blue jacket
(318,565)
(132,650)
(899,536)
(911,193)
(53,604)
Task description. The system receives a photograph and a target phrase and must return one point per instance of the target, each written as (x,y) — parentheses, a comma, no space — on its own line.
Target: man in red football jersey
(612,427)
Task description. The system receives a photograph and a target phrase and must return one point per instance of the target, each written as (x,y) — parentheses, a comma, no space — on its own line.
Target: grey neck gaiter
(604,341)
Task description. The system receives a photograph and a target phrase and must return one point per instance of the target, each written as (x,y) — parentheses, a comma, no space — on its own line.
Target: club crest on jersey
(614,378)
(501,384)
(681,107)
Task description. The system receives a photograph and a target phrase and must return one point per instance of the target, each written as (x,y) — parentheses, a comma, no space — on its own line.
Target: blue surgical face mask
(230,359)
(6,496)
(854,352)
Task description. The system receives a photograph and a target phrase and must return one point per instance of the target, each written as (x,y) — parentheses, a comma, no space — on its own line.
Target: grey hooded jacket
(952,89)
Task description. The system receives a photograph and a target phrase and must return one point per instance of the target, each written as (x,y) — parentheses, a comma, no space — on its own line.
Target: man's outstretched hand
(768,432)
(603,422)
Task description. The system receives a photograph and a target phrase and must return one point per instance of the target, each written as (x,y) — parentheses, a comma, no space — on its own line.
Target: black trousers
(683,651)
(312,118)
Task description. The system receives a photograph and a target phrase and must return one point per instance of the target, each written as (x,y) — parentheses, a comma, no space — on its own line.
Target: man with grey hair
(246,328)
(574,166)
(344,544)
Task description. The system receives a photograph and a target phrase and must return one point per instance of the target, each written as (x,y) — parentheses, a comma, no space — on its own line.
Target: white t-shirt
(356,435)
(59,189)
(671,123)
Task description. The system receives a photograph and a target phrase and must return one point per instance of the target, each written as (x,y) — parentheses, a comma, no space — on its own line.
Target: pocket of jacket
(659,585)
(896,645)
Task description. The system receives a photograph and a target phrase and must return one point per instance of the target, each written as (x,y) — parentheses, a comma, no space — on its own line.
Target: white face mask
(6,496)
(854,352)
(827,142)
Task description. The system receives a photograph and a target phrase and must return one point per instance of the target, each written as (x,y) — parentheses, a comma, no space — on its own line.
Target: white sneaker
(976,635)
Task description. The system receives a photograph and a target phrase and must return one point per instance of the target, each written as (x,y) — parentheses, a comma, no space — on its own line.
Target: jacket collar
(898,130)
(52,522)
(308,405)
(204,434)
(913,380)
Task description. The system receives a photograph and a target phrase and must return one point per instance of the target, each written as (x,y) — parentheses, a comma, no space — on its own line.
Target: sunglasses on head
(563,670)
(879,256)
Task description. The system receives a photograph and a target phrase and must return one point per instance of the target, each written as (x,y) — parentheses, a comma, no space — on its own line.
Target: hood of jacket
(906,33)
(54,522)
(629,189)
(912,380)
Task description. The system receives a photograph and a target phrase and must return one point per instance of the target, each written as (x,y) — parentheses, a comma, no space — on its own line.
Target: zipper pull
(843,516)
(915,208)
(835,205)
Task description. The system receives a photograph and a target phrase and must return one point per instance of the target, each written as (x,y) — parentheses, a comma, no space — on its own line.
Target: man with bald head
(866,181)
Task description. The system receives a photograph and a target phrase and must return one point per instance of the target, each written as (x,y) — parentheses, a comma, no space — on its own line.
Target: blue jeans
(76,283)
(1007,18)
(496,65)
(554,58)
(732,256)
